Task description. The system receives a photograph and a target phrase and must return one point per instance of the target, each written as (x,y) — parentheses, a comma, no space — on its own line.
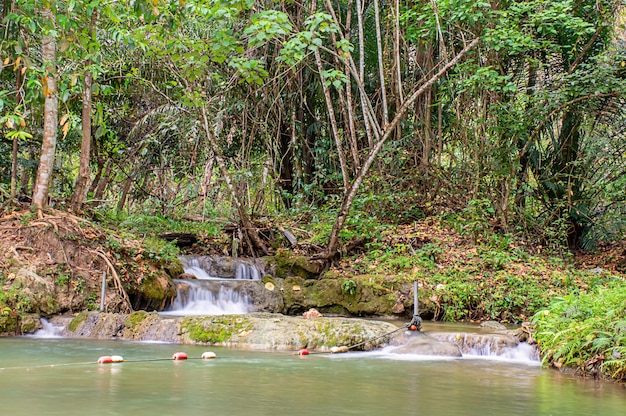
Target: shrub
(586,331)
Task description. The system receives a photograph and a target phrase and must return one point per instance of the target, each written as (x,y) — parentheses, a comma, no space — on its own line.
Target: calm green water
(277,383)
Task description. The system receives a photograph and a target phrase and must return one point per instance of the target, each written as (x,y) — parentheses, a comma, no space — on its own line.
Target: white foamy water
(210,294)
(48,330)
(522,354)
(484,347)
(208,298)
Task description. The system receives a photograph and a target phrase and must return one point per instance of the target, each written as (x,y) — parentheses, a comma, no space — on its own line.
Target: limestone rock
(420,343)
(41,291)
(262,331)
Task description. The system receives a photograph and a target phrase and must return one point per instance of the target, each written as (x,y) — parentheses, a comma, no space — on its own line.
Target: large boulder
(39,292)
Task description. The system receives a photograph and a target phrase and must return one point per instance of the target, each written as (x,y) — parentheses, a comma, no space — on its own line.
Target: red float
(303,351)
(105,359)
(180,356)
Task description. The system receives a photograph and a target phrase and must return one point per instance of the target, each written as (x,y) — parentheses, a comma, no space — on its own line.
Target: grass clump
(586,331)
(77,321)
(214,331)
(135,319)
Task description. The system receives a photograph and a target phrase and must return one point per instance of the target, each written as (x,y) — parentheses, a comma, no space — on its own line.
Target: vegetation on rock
(213,330)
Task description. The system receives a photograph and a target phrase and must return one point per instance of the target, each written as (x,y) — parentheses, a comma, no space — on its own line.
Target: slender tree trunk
(333,123)
(381,67)
(51,121)
(85,148)
(360,10)
(19,100)
(127,185)
(354,144)
(105,178)
(397,62)
(249,229)
(348,199)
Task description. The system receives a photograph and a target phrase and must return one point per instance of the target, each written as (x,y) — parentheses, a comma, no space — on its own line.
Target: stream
(242,382)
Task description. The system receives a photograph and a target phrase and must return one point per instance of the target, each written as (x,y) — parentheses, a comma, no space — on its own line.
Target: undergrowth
(586,331)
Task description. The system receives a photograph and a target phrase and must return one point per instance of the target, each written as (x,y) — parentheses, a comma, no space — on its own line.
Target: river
(60,377)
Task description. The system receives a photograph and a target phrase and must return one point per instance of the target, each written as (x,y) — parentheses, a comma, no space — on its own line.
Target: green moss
(174,268)
(135,319)
(215,329)
(152,289)
(78,321)
(30,325)
(288,263)
(8,324)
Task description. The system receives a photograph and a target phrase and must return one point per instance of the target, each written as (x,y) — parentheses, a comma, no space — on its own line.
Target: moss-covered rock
(347,295)
(9,323)
(30,323)
(174,268)
(214,329)
(135,319)
(154,292)
(78,321)
(290,264)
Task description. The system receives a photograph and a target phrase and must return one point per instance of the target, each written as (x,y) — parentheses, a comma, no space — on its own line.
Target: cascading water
(49,330)
(500,346)
(218,287)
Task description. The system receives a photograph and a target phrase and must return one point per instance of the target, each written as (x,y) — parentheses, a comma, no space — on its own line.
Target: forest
(507,117)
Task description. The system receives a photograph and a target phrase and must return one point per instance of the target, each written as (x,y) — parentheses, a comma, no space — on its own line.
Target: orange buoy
(105,359)
(180,356)
(303,351)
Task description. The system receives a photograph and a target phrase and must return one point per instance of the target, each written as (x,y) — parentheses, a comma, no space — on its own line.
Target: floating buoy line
(208,355)
(113,359)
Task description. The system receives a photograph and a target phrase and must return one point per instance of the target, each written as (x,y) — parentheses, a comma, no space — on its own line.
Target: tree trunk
(348,199)
(19,100)
(105,178)
(360,10)
(333,123)
(51,121)
(248,227)
(122,201)
(381,67)
(85,148)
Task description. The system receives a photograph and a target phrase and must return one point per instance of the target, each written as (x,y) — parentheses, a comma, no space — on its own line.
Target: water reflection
(262,383)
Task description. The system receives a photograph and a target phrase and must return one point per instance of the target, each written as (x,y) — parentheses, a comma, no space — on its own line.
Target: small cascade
(216,286)
(48,330)
(208,297)
(503,347)
(495,346)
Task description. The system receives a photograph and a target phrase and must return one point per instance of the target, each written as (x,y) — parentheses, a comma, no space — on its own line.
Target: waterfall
(48,330)
(427,345)
(208,297)
(218,288)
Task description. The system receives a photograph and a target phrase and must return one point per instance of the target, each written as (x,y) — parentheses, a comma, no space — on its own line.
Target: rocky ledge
(263,331)
(267,331)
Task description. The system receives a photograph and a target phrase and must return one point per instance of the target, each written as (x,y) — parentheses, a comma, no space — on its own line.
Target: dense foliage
(255,107)
(586,331)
